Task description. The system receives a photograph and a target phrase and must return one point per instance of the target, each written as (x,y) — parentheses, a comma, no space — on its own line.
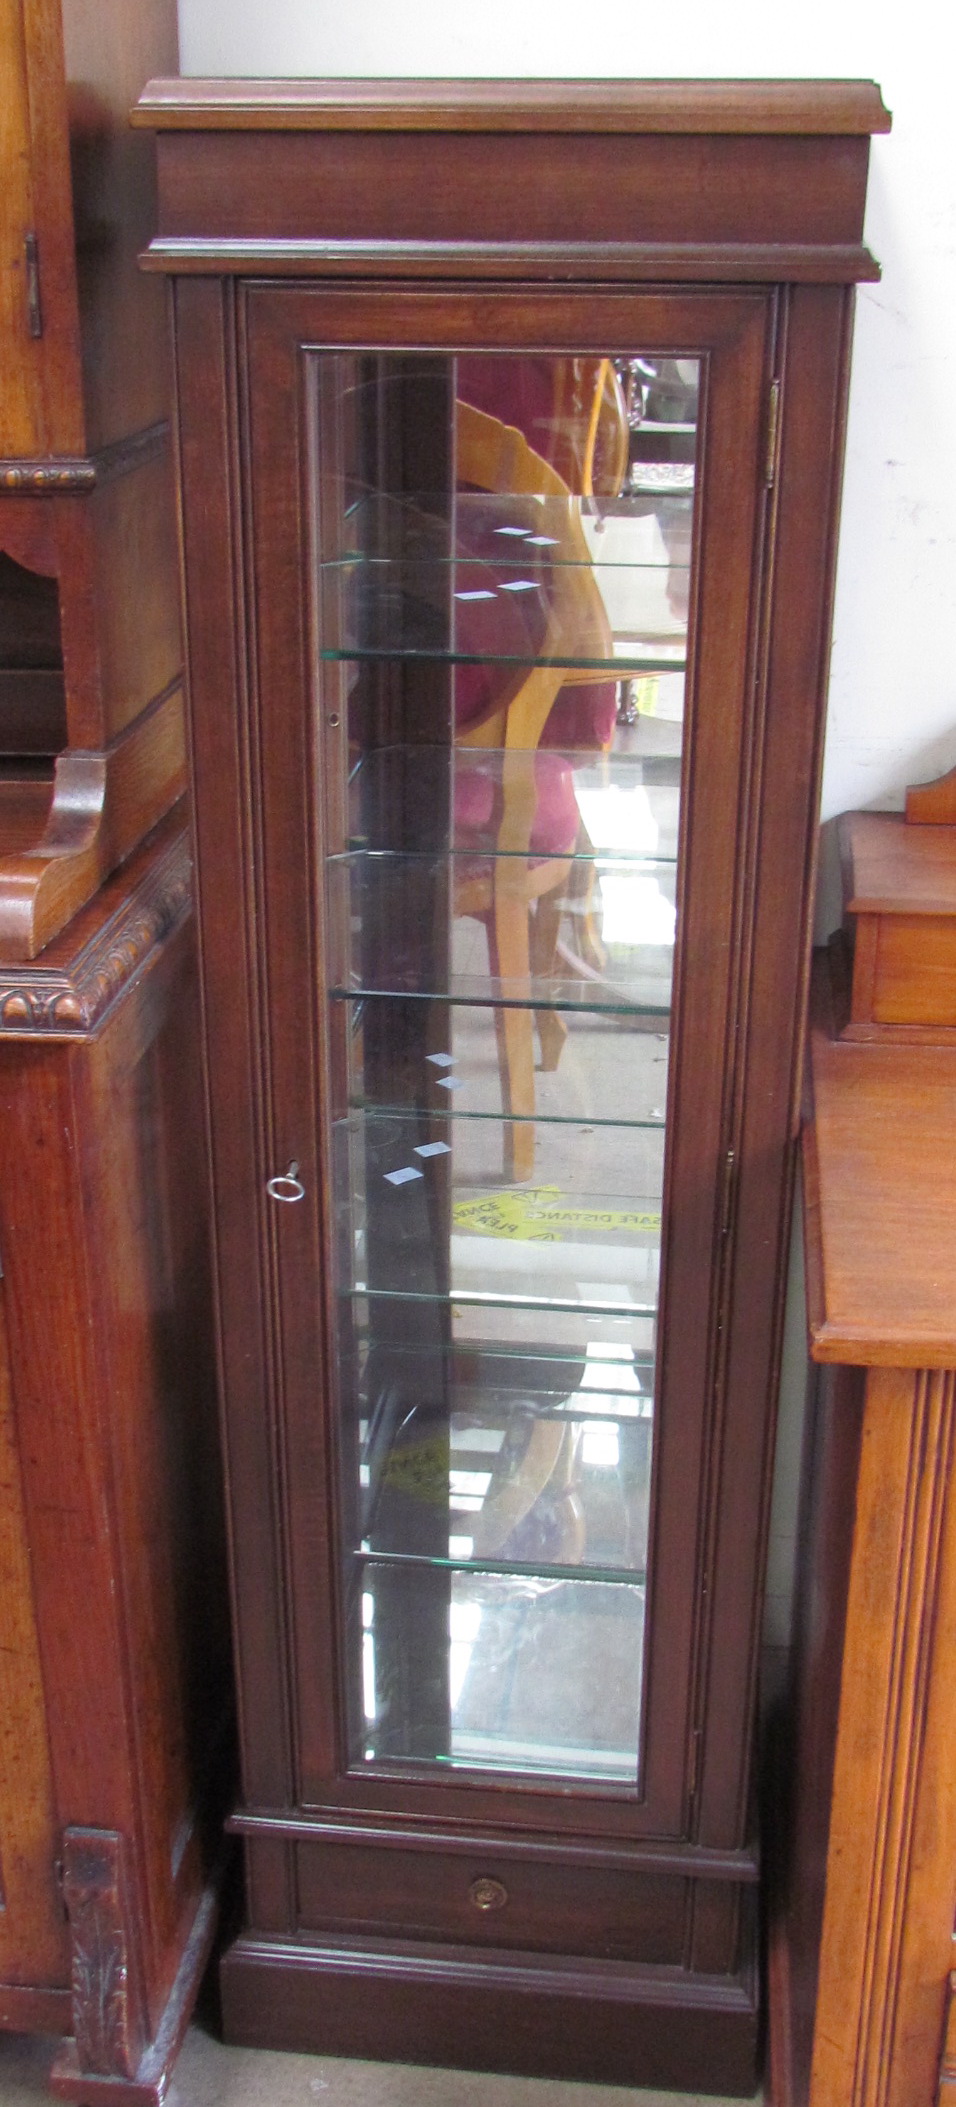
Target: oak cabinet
(91,706)
(864,1897)
(116,1686)
(509,429)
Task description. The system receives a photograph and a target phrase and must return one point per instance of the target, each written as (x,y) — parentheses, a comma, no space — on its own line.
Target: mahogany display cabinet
(509,423)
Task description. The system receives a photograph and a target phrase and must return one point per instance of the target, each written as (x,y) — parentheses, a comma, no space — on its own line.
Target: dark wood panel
(416,2004)
(387,186)
(215,624)
(492,1899)
(33,1947)
(802,1774)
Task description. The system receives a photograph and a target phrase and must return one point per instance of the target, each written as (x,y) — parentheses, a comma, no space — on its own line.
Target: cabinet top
(880,1197)
(794,107)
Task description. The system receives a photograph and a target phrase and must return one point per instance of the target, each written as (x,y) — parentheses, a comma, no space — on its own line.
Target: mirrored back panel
(501,602)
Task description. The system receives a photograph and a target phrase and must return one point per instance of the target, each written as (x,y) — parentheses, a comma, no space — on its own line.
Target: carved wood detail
(102,805)
(933,804)
(107,2016)
(65,1001)
(894,1821)
(41,478)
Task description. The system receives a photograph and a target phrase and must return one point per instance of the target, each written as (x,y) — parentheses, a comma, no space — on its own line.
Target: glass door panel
(502,601)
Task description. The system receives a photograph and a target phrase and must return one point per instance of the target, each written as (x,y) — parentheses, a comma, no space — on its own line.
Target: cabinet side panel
(102,1221)
(889,1901)
(787,758)
(110,48)
(59,347)
(32,1937)
(231,995)
(137,593)
(807,1735)
(143,1171)
(21,398)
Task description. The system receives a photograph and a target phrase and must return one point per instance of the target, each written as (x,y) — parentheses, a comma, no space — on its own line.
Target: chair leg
(552,1025)
(508,947)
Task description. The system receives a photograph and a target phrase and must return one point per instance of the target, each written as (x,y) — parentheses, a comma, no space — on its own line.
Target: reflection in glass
(502,598)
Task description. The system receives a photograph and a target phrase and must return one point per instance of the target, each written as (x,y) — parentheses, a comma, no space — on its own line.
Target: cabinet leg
(110,2056)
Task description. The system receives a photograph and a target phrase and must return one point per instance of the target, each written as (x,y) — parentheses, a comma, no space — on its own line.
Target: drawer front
(915,980)
(488,1897)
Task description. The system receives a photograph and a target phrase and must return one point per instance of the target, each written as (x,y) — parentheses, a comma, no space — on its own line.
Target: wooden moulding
(103,528)
(508,105)
(86,968)
(685,181)
(861,1938)
(630,263)
(476,2009)
(101,806)
(886,1935)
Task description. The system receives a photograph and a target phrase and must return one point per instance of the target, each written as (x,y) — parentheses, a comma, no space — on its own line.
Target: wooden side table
(861,1947)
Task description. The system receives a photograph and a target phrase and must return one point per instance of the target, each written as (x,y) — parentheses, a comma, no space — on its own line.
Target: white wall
(892,716)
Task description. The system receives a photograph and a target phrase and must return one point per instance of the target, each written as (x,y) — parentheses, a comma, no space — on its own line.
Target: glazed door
(504,562)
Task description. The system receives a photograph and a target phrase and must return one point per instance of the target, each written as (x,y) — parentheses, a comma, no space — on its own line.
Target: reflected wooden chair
(515,890)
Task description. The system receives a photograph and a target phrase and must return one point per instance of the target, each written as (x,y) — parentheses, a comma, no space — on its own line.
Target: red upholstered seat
(477,804)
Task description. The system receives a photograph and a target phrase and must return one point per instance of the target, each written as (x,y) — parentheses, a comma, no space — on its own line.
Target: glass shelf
(508,580)
(414,1219)
(514,1473)
(411,925)
(521,1673)
(626,656)
(443,1059)
(521,1324)
(424,800)
(505,527)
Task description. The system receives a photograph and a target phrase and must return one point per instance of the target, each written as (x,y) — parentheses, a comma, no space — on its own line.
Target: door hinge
(727,1200)
(773,434)
(31,259)
(694,1777)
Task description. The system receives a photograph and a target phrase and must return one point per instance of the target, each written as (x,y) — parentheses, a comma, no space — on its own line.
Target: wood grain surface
(817,107)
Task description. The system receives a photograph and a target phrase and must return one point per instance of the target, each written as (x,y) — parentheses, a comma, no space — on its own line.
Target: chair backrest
(493,456)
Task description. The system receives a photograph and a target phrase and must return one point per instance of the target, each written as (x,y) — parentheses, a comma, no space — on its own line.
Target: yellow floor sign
(543,1214)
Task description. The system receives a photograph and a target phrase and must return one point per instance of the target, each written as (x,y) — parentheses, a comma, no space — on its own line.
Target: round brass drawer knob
(488,1894)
